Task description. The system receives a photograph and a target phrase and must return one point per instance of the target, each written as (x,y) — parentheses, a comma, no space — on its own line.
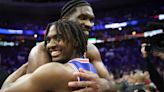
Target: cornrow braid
(68,7)
(72,33)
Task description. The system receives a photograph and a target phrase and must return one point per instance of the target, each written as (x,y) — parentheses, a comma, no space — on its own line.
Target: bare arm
(37,57)
(94,55)
(45,78)
(94,83)
(15,75)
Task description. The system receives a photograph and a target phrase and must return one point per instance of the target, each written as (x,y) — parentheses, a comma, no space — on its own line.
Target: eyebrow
(88,15)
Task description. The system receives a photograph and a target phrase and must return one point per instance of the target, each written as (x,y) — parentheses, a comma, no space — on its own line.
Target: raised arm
(95,58)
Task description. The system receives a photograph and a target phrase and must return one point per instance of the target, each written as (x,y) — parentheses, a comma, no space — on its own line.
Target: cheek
(69,50)
(79,21)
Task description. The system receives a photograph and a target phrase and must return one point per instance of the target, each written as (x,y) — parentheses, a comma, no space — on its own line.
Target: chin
(59,60)
(86,33)
(56,59)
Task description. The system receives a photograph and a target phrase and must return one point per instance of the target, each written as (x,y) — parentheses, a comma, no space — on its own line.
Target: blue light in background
(93,28)
(133,22)
(3,31)
(41,32)
(10,31)
(28,32)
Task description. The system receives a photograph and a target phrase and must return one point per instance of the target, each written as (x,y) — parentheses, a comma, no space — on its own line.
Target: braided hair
(69,7)
(72,33)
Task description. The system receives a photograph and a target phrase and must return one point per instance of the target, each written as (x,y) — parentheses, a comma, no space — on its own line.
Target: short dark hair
(71,32)
(70,6)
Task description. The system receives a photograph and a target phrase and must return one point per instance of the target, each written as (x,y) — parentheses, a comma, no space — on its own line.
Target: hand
(22,70)
(92,84)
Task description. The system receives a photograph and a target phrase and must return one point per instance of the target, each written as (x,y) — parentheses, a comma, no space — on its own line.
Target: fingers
(23,68)
(89,85)
(81,83)
(85,90)
(87,75)
(84,71)
(25,64)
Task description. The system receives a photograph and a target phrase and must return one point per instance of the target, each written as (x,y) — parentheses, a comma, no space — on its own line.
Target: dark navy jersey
(83,63)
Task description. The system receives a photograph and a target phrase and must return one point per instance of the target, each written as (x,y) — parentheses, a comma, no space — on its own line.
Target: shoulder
(39,53)
(92,48)
(37,56)
(38,47)
(92,52)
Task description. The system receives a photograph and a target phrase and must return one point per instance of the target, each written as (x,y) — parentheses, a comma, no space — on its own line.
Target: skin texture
(39,56)
(83,15)
(48,77)
(45,78)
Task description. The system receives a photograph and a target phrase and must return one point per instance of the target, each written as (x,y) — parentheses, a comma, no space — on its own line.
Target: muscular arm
(15,75)
(37,57)
(45,78)
(94,83)
(94,55)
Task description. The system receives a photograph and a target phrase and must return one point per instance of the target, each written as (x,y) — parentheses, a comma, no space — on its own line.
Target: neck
(75,55)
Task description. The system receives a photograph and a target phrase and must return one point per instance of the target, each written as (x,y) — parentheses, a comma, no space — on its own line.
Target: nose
(88,24)
(51,44)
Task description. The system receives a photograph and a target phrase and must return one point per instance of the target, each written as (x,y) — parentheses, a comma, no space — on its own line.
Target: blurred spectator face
(131,80)
(156,53)
(139,77)
(146,74)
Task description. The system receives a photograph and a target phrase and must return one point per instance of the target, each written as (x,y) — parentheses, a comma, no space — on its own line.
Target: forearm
(109,85)
(15,75)
(12,78)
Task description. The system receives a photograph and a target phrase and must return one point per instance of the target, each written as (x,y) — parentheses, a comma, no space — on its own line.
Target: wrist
(111,86)
(108,85)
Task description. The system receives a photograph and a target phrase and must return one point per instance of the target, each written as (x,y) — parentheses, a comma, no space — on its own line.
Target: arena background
(120,28)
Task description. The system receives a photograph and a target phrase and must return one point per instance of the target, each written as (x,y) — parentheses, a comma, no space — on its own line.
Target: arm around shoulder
(46,78)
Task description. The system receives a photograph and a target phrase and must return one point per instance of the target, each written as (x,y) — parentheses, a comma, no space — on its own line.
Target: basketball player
(65,41)
(81,12)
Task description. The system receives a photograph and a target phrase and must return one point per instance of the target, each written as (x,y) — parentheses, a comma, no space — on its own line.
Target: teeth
(55,53)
